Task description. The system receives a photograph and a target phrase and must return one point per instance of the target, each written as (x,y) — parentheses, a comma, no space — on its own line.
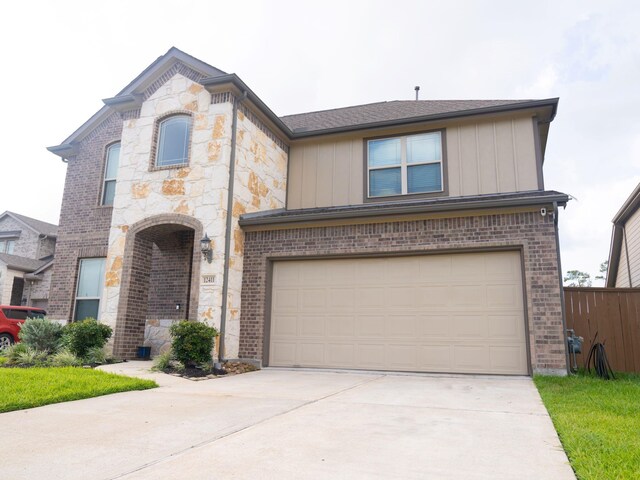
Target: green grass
(598,423)
(33,387)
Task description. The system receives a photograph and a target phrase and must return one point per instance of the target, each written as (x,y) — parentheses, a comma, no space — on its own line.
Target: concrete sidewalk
(292,424)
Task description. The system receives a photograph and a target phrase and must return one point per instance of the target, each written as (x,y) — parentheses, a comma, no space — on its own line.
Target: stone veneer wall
(260,184)
(530,230)
(196,190)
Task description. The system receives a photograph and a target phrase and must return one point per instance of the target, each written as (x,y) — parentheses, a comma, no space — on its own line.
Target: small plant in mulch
(167,363)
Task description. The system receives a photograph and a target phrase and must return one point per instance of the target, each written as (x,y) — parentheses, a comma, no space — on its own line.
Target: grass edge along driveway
(22,388)
(598,423)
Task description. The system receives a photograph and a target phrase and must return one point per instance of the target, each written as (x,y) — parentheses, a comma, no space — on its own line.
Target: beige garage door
(430,313)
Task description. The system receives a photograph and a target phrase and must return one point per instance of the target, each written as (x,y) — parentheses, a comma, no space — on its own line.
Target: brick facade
(528,231)
(84,224)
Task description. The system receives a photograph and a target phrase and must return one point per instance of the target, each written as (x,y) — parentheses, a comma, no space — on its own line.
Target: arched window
(110,172)
(173,141)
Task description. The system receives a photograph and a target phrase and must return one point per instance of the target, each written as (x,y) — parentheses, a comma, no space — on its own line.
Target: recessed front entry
(459,313)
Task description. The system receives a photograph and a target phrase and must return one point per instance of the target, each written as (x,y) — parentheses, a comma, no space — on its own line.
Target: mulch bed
(228,369)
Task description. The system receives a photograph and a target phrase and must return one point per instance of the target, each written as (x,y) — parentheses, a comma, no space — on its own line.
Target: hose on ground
(598,358)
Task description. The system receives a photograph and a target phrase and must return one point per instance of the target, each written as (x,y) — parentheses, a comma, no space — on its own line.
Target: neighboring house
(26,257)
(404,235)
(623,269)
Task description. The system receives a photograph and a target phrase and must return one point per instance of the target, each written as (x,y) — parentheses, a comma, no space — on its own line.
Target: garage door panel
(509,327)
(341,354)
(503,296)
(435,327)
(435,313)
(286,299)
(472,358)
(503,357)
(371,326)
(373,297)
(285,325)
(311,354)
(434,269)
(283,353)
(436,358)
(402,326)
(436,296)
(403,297)
(313,298)
(341,326)
(469,296)
(312,326)
(341,299)
(371,355)
(470,326)
(402,357)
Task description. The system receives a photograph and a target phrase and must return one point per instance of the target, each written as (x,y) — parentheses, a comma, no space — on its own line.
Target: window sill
(407,196)
(155,168)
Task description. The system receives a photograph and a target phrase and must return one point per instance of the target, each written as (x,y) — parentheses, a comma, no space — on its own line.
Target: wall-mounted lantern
(205,248)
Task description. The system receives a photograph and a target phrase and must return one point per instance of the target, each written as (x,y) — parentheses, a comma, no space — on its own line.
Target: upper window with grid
(405,165)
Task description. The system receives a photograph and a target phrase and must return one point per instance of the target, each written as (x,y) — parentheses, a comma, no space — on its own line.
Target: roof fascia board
(123,103)
(561,200)
(629,207)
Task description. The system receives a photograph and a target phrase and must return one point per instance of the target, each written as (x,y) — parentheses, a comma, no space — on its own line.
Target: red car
(11,319)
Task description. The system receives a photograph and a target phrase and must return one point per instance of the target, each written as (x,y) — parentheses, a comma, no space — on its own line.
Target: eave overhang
(396,209)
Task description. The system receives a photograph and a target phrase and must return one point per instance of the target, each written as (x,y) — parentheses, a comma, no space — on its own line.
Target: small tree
(192,342)
(604,266)
(576,278)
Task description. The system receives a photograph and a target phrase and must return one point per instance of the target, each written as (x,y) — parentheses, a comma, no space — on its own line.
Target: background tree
(576,278)
(603,270)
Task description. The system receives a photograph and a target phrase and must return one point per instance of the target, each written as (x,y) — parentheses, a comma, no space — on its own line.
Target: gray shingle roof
(22,263)
(384,111)
(38,225)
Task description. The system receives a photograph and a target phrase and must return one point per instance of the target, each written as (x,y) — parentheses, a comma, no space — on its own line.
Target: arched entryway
(159,281)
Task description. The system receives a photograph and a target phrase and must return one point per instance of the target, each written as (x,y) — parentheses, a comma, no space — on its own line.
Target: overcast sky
(61,58)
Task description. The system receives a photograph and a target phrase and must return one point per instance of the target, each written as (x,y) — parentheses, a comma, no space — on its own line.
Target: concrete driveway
(292,424)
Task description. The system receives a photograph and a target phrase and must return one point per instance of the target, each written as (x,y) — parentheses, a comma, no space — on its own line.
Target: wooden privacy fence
(614,313)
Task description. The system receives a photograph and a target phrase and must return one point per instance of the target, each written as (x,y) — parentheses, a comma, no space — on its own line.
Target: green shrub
(95,355)
(80,337)
(30,357)
(192,342)
(13,352)
(41,334)
(162,362)
(64,358)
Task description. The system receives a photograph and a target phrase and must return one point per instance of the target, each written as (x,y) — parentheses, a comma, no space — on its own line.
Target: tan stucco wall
(488,155)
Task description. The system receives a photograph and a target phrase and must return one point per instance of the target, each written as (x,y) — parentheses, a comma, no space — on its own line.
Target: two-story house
(26,259)
(404,235)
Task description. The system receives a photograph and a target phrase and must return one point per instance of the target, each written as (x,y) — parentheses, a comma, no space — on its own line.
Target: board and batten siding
(490,156)
(630,241)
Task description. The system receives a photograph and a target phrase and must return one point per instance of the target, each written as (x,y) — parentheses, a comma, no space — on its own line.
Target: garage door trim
(266,339)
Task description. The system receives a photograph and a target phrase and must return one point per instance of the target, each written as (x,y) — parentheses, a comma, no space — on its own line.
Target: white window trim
(109,179)
(403,166)
(77,297)
(187,140)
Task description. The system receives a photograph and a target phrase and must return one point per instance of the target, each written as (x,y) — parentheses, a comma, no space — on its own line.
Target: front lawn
(598,423)
(33,387)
